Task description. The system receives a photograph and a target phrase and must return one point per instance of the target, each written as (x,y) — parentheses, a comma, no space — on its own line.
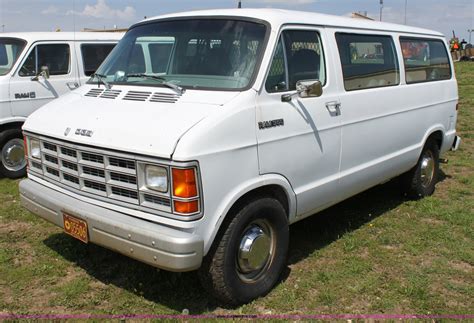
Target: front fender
(233,196)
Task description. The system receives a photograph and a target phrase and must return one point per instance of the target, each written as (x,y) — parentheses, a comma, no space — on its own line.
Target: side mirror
(305,89)
(44,73)
(308,89)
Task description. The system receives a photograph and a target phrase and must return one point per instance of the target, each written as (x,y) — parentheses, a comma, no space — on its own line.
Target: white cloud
(51,10)
(102,10)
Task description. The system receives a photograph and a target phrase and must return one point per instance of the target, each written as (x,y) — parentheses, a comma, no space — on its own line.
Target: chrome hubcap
(255,250)
(427,169)
(13,155)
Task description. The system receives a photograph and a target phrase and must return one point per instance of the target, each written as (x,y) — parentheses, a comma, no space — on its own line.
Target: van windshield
(193,53)
(10,50)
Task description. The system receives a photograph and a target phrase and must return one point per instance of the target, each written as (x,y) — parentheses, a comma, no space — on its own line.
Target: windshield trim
(24,43)
(258,64)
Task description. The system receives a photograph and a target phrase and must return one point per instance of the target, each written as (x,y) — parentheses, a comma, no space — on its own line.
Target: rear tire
(12,150)
(249,254)
(420,181)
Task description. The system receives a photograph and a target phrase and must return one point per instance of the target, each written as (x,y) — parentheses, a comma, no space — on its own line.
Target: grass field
(375,253)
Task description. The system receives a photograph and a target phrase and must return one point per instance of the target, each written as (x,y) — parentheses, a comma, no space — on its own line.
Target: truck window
(10,50)
(219,54)
(93,55)
(56,57)
(160,53)
(425,60)
(299,56)
(368,61)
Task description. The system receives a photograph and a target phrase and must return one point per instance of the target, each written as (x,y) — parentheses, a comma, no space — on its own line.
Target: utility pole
(470,31)
(3,28)
(381,8)
(240,4)
(406,4)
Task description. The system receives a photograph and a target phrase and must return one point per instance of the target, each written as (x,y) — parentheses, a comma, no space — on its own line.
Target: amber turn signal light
(186,207)
(184,182)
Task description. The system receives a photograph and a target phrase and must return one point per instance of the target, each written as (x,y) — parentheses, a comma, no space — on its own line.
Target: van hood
(141,127)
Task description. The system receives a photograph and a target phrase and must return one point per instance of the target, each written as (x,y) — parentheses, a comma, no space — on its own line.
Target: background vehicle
(36,68)
(201,153)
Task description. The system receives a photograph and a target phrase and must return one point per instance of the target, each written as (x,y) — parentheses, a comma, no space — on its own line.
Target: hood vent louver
(141,96)
(137,96)
(94,93)
(110,94)
(164,97)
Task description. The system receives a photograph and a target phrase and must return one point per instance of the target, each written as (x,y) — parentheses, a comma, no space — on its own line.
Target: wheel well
(438,137)
(12,125)
(274,191)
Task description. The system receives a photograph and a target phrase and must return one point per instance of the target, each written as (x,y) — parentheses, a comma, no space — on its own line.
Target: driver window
(299,56)
(55,56)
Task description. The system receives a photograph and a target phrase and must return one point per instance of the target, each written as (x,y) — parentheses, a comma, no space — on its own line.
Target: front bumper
(151,243)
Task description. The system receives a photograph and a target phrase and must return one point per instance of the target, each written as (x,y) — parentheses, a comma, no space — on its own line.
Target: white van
(35,68)
(207,133)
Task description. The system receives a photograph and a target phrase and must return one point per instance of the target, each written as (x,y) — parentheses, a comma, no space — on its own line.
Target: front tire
(12,158)
(249,257)
(420,181)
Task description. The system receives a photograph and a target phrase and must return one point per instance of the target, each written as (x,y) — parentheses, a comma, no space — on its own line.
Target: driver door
(301,139)
(28,94)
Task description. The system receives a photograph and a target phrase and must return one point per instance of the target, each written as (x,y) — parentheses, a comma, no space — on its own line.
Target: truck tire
(420,181)
(247,260)
(12,159)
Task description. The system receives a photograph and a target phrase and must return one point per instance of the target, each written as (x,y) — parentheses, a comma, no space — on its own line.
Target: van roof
(279,17)
(78,36)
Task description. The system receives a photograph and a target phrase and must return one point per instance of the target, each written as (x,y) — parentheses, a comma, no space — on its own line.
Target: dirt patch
(13,227)
(461,266)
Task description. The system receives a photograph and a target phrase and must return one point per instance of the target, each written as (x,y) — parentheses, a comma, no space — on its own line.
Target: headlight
(35,149)
(156,178)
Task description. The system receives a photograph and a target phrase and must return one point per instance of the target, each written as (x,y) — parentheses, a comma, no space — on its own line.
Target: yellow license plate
(75,227)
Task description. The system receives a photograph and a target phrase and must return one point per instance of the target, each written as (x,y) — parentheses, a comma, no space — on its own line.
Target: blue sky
(48,15)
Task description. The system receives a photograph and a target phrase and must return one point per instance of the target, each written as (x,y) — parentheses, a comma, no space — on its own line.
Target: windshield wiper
(172,86)
(101,79)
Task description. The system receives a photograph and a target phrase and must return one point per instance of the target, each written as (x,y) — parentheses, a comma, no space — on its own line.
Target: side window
(56,57)
(299,56)
(137,60)
(93,55)
(160,54)
(276,79)
(368,61)
(425,60)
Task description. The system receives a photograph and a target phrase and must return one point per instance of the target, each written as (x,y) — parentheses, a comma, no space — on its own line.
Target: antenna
(240,4)
(381,7)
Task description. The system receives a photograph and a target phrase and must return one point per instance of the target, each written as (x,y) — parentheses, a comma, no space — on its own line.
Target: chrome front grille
(96,172)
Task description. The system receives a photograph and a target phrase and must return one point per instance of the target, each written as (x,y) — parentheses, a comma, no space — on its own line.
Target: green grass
(375,253)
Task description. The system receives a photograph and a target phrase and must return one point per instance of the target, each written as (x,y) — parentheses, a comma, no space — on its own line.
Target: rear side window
(368,61)
(93,55)
(56,57)
(425,60)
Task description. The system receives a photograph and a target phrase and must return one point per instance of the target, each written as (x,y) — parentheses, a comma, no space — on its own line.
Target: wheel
(420,181)
(247,260)
(13,162)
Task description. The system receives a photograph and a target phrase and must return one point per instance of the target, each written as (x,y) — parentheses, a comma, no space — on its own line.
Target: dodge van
(35,68)
(204,135)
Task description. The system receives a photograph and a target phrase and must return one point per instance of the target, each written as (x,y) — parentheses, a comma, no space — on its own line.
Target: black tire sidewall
(271,210)
(5,136)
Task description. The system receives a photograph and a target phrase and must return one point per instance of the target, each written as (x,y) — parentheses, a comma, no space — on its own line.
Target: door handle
(334,107)
(72,85)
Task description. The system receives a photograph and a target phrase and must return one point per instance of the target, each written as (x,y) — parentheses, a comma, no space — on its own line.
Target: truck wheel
(13,162)
(249,257)
(420,181)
